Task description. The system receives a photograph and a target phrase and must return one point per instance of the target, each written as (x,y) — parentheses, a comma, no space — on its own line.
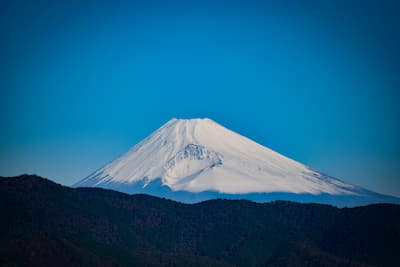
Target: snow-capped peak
(197,155)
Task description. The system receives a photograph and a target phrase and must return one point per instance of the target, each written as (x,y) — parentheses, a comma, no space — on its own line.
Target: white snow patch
(198,155)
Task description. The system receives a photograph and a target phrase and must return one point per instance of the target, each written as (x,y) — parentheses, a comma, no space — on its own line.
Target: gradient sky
(318,81)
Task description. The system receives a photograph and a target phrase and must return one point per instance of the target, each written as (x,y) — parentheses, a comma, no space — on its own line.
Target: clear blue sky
(82,81)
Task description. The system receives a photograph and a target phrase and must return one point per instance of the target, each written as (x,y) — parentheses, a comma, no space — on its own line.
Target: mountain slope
(198,159)
(45,224)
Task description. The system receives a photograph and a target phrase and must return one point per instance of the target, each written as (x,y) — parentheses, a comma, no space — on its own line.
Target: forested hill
(46,224)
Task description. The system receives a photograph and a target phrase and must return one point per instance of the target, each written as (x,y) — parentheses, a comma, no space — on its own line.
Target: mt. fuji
(192,160)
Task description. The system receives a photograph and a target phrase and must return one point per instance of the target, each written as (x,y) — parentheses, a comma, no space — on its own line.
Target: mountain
(46,224)
(198,159)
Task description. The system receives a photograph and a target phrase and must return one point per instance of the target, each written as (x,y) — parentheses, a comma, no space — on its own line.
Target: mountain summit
(191,160)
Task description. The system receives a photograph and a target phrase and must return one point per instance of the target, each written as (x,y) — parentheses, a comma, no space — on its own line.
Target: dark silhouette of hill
(46,224)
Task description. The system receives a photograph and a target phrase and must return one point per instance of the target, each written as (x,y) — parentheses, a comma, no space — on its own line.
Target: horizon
(81,82)
(162,125)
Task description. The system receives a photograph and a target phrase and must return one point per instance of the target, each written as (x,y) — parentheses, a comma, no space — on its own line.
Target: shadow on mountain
(46,224)
(157,188)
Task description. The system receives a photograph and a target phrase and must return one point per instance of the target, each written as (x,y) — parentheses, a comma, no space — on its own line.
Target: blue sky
(82,81)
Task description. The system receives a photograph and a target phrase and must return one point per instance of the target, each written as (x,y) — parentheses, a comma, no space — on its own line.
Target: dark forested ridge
(46,224)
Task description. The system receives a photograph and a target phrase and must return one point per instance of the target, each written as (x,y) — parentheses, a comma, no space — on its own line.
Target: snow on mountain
(199,155)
